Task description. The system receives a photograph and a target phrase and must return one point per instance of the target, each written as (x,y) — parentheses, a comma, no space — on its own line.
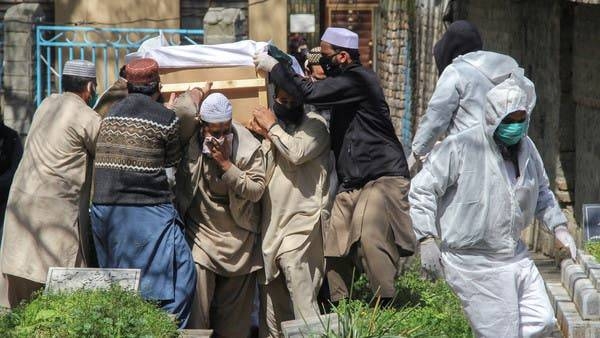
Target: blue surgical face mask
(511,133)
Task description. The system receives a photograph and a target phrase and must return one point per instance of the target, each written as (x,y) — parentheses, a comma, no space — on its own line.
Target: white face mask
(210,139)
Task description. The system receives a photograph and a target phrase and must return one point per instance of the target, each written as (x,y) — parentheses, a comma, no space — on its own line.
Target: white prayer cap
(341,37)
(216,108)
(80,68)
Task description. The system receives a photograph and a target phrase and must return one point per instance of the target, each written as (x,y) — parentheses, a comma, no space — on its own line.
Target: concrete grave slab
(69,279)
(314,326)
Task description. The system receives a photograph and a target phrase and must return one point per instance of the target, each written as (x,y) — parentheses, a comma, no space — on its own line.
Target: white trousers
(507,300)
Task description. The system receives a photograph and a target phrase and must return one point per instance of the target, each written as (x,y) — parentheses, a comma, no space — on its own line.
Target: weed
(85,313)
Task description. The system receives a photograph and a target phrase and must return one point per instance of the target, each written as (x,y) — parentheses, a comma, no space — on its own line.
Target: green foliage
(593,248)
(422,308)
(86,313)
(359,320)
(437,310)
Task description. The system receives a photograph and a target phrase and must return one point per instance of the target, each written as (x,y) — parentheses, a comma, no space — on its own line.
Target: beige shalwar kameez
(47,218)
(222,217)
(296,197)
(370,230)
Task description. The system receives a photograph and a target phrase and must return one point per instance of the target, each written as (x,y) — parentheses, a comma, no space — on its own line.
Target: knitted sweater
(138,139)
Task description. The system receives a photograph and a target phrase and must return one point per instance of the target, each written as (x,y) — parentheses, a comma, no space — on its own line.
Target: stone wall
(428,28)
(47,7)
(393,56)
(17,80)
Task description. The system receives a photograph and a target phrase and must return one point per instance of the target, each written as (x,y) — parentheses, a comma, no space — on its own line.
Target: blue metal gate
(105,46)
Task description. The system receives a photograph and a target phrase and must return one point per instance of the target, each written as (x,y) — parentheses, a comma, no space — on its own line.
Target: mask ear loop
(91,87)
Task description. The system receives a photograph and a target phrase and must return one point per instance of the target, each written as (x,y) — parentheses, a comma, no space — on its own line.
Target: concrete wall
(558,44)
(586,94)
(267,20)
(116,13)
(565,169)
(123,13)
(529,31)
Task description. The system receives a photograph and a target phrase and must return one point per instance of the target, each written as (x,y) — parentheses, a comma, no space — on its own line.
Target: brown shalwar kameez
(222,219)
(370,229)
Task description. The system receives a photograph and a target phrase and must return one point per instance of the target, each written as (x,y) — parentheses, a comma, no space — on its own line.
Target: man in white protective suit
(485,185)
(467,73)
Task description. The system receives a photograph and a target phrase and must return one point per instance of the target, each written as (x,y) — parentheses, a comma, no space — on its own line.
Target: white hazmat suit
(458,100)
(481,206)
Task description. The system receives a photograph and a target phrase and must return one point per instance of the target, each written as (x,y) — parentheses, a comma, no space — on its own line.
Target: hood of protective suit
(513,94)
(496,67)
(462,37)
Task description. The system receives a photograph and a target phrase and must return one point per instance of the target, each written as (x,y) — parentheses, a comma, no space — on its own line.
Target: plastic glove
(264,62)
(431,258)
(564,237)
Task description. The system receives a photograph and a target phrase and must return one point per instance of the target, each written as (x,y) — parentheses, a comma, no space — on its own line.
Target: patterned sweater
(138,139)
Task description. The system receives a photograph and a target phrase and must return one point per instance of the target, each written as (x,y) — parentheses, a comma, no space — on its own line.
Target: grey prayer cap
(80,68)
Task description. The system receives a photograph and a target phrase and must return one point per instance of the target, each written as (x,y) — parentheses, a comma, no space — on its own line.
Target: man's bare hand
(255,127)
(220,153)
(199,94)
(264,117)
(171,103)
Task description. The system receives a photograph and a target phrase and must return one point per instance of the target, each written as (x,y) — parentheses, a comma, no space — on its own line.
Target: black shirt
(362,135)
(11,151)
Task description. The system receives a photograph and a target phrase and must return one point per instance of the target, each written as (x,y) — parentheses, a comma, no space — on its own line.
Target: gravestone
(194,333)
(591,222)
(70,279)
(310,327)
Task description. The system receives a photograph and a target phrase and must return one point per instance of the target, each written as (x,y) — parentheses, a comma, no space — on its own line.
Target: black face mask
(329,67)
(287,113)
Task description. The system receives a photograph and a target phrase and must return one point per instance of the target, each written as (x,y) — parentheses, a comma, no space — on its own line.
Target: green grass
(357,319)
(437,311)
(422,309)
(85,313)
(593,248)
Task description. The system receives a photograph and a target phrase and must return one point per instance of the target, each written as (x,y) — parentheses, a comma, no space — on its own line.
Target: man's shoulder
(245,144)
(245,137)
(81,112)
(472,137)
(315,120)
(142,107)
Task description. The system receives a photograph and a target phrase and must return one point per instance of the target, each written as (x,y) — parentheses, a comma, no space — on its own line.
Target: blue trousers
(148,237)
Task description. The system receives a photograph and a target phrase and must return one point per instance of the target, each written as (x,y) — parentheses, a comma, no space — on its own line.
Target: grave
(309,327)
(70,279)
